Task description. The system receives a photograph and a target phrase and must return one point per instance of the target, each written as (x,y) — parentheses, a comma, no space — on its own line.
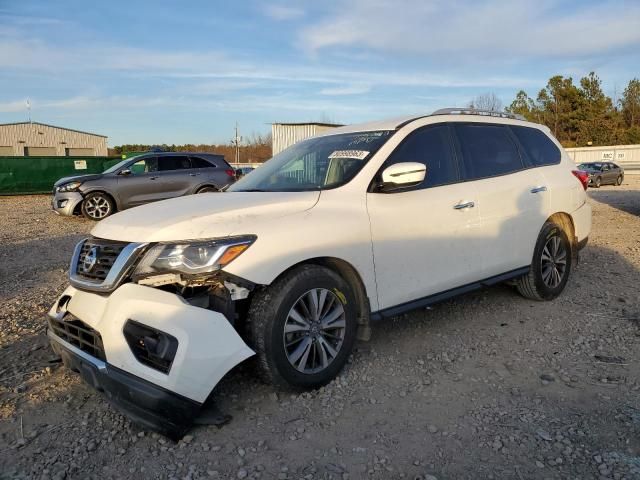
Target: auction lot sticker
(358,154)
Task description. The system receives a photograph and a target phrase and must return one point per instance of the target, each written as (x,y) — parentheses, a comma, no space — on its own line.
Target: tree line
(581,115)
(257,148)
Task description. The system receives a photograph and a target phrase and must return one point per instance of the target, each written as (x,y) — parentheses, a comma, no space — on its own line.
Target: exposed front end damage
(156,346)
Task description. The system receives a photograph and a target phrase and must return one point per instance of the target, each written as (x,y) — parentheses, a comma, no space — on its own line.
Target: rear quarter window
(197,162)
(538,147)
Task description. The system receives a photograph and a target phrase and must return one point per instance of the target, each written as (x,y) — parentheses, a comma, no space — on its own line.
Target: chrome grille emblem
(90,260)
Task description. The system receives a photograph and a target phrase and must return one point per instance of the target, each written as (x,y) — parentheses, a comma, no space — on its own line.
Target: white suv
(293,262)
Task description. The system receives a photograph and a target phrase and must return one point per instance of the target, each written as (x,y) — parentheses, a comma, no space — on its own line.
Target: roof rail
(474,111)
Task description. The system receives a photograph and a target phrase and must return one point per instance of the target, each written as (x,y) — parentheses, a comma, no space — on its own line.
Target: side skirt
(447,294)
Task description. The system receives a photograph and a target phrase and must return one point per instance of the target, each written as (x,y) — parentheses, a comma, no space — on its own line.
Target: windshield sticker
(367,137)
(359,154)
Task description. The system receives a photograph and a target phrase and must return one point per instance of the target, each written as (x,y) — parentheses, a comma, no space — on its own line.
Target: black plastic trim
(145,403)
(582,243)
(447,294)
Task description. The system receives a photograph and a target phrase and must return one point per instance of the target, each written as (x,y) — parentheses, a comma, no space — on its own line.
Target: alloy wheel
(97,207)
(314,330)
(553,262)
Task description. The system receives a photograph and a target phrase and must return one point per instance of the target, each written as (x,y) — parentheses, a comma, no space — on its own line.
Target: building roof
(52,126)
(320,124)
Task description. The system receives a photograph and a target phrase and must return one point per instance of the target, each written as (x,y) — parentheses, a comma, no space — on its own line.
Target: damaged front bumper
(92,334)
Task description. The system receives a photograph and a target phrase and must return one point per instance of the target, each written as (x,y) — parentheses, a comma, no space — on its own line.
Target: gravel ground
(487,386)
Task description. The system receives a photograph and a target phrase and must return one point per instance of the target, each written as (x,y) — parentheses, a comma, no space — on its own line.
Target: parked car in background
(603,173)
(293,261)
(141,179)
(242,171)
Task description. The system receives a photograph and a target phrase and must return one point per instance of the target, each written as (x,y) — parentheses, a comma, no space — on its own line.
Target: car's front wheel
(97,206)
(619,180)
(550,266)
(303,327)
(598,182)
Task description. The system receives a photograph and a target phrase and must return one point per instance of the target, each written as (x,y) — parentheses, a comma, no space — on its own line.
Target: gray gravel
(487,386)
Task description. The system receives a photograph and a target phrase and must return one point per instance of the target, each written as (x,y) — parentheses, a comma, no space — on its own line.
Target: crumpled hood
(201,216)
(81,178)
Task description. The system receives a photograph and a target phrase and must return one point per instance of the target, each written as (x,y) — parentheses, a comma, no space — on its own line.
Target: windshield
(118,166)
(314,164)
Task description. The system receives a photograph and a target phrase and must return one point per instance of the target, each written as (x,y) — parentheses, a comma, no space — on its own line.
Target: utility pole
(236,142)
(28,103)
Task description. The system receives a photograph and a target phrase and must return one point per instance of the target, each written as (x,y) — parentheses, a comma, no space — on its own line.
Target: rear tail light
(582,176)
(230,172)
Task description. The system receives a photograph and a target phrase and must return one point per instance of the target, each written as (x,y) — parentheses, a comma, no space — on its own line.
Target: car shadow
(625,200)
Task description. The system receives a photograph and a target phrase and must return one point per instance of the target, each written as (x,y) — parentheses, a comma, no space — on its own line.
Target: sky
(185,72)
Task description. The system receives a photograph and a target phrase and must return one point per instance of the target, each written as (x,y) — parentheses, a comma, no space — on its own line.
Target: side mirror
(124,172)
(402,175)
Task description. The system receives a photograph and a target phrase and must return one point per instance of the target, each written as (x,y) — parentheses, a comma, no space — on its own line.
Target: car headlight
(69,187)
(192,258)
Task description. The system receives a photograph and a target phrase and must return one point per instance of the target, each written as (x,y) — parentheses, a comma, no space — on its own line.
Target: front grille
(106,252)
(79,334)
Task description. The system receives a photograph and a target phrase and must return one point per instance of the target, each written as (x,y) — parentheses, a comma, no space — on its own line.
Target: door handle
(153,178)
(461,206)
(194,174)
(539,189)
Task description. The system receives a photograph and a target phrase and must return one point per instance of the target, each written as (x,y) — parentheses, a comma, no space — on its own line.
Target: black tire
(97,206)
(206,189)
(619,180)
(269,313)
(598,182)
(533,285)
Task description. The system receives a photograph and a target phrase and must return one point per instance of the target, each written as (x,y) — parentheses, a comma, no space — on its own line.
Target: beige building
(626,156)
(284,135)
(39,139)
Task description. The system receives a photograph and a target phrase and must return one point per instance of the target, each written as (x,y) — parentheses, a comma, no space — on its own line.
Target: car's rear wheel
(619,180)
(550,266)
(598,182)
(303,327)
(207,189)
(97,206)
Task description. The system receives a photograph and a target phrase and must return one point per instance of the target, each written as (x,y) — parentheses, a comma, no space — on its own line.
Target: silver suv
(142,179)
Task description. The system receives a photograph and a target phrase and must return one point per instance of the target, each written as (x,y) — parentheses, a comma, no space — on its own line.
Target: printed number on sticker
(358,154)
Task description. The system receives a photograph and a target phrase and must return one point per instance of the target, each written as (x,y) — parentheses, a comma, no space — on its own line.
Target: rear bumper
(65,203)
(145,403)
(582,222)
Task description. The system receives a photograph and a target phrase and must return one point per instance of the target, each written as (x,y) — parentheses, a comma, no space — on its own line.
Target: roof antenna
(28,103)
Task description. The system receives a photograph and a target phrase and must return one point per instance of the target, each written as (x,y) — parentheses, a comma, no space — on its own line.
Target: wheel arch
(351,275)
(565,222)
(205,185)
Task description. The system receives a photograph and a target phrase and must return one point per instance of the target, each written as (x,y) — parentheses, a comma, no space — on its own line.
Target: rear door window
(487,150)
(430,146)
(538,147)
(172,162)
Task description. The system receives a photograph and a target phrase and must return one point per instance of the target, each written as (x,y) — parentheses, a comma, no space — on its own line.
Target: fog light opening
(153,348)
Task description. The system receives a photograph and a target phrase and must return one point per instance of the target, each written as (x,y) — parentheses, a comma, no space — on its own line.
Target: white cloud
(282,12)
(480,29)
(24,54)
(346,90)
(13,106)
